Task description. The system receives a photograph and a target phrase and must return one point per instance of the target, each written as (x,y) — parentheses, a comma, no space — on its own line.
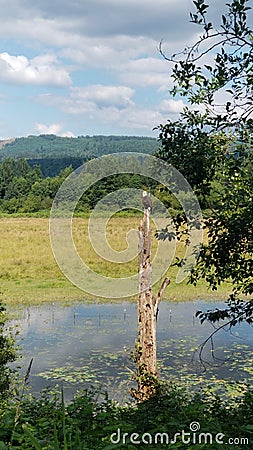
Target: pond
(84,345)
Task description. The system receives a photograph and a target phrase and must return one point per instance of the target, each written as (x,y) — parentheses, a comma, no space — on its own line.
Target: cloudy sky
(77,67)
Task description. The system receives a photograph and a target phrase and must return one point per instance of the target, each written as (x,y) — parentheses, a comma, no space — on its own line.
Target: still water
(86,345)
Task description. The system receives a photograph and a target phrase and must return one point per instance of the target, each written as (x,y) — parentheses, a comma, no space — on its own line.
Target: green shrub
(7,355)
(90,419)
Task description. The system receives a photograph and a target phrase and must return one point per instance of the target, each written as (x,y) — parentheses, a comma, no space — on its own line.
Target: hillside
(6,141)
(49,145)
(54,153)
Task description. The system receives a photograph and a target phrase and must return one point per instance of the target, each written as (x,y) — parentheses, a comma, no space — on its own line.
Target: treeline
(24,189)
(54,153)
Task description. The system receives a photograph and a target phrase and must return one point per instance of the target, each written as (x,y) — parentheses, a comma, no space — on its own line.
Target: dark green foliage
(91,419)
(7,173)
(29,192)
(50,167)
(7,355)
(23,189)
(113,183)
(229,253)
(190,147)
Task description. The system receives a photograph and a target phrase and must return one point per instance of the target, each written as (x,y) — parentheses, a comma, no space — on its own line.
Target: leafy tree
(32,203)
(18,187)
(22,167)
(46,187)
(7,173)
(64,173)
(229,46)
(228,255)
(194,151)
(34,175)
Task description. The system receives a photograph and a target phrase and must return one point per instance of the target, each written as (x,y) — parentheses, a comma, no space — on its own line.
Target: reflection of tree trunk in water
(147,315)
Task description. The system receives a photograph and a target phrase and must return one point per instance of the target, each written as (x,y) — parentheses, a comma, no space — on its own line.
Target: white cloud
(91,99)
(105,96)
(103,52)
(172,106)
(143,72)
(54,128)
(109,52)
(142,120)
(111,106)
(41,70)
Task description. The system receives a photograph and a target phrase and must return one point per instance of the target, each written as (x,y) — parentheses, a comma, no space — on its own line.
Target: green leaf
(34,441)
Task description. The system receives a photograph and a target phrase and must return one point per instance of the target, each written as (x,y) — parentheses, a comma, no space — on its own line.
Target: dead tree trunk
(147,315)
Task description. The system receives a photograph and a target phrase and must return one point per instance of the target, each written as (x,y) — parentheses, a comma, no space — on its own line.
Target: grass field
(30,274)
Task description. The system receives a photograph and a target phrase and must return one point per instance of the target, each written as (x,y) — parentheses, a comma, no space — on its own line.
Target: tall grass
(69,441)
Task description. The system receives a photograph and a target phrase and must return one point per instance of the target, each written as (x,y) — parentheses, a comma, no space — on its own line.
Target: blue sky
(77,67)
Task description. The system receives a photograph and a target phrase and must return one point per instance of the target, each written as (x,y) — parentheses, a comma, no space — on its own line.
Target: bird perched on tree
(146,201)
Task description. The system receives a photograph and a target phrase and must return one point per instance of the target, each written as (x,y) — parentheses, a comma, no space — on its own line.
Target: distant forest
(54,153)
(33,168)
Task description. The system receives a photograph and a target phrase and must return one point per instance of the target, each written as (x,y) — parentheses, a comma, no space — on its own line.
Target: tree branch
(164,285)
(210,338)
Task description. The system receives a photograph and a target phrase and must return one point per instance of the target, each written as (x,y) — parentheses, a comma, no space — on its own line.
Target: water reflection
(88,344)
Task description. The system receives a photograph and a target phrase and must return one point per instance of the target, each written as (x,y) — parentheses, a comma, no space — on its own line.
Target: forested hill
(54,153)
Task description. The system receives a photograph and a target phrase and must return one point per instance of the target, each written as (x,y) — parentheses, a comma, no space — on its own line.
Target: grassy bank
(30,274)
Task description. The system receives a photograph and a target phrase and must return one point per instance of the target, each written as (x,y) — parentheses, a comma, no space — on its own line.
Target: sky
(87,67)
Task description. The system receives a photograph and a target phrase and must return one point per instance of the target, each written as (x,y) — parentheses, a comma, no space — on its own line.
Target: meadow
(29,273)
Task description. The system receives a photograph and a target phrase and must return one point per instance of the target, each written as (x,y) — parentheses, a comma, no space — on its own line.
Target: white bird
(146,201)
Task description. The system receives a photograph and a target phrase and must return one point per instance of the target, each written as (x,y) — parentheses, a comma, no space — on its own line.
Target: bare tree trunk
(147,315)
(146,304)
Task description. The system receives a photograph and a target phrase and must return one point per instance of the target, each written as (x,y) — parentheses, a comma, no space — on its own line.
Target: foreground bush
(7,355)
(92,421)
